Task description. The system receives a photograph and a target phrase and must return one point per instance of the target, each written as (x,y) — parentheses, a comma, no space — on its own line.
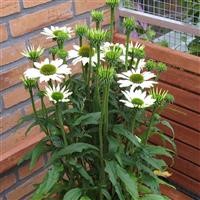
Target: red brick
(12,76)
(106,19)
(11,53)
(8,7)
(87,5)
(15,96)
(25,170)
(26,187)
(29,110)
(36,20)
(31,3)
(17,138)
(10,120)
(7,181)
(3,33)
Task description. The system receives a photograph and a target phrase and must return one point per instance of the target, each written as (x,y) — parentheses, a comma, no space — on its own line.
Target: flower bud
(29,83)
(106,75)
(62,53)
(129,24)
(96,37)
(161,67)
(112,3)
(150,65)
(97,16)
(81,30)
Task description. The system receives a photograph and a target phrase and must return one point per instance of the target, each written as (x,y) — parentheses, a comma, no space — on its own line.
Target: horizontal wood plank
(173,194)
(182,79)
(185,182)
(182,116)
(183,98)
(185,151)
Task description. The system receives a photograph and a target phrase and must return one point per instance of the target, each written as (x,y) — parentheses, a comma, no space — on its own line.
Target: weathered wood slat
(182,79)
(185,182)
(182,97)
(174,194)
(183,134)
(183,116)
(187,167)
(185,151)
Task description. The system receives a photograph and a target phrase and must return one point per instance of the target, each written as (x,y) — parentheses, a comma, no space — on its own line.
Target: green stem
(112,19)
(60,44)
(133,121)
(33,103)
(97,25)
(60,122)
(147,133)
(81,41)
(103,132)
(127,47)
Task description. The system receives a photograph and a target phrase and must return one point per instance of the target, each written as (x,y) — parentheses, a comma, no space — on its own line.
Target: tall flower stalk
(129,25)
(112,4)
(105,76)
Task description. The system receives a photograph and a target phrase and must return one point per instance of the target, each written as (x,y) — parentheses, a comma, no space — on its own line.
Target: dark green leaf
(91,118)
(39,149)
(74,194)
(81,170)
(49,181)
(119,129)
(154,197)
(111,170)
(106,194)
(72,148)
(85,198)
(129,181)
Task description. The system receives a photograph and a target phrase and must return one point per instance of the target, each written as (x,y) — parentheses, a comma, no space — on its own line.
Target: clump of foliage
(101,120)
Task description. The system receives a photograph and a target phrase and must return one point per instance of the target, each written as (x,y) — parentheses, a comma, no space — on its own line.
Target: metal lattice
(176,22)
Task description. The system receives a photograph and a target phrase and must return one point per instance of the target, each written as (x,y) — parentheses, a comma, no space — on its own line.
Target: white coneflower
(32,53)
(48,70)
(137,99)
(136,78)
(57,94)
(54,31)
(82,54)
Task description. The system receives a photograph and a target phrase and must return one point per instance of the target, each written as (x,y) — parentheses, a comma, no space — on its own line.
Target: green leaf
(154,197)
(72,148)
(158,150)
(111,170)
(39,149)
(129,181)
(49,181)
(106,194)
(74,194)
(81,171)
(85,198)
(119,129)
(30,127)
(168,125)
(27,156)
(91,118)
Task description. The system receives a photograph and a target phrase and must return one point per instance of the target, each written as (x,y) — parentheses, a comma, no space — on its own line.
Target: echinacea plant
(100,121)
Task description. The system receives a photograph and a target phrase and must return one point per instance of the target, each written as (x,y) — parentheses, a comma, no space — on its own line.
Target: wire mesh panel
(179,10)
(176,23)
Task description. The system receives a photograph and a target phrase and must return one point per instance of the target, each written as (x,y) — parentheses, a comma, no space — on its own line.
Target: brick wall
(21,23)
